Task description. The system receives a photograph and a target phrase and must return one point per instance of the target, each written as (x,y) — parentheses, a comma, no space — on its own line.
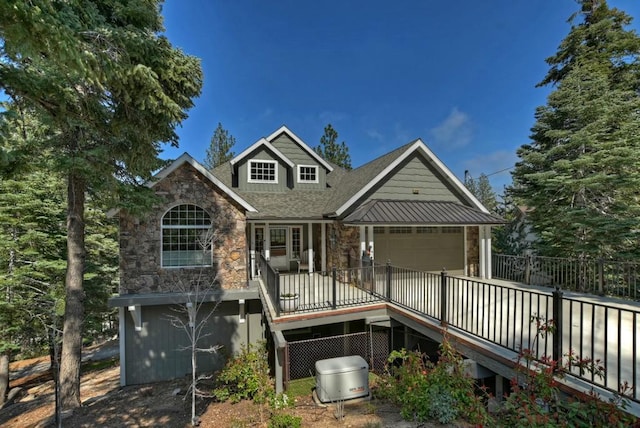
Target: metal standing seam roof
(419,212)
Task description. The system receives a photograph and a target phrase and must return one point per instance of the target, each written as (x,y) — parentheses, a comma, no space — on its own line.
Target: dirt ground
(106,404)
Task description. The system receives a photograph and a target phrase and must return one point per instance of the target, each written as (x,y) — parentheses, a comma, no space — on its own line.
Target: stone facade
(140,239)
(473,250)
(343,246)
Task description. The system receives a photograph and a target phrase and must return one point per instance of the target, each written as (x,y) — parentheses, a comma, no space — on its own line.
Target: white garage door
(420,248)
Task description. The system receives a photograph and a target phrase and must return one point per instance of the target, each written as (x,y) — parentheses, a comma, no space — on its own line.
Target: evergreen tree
(581,172)
(330,150)
(482,190)
(111,89)
(219,150)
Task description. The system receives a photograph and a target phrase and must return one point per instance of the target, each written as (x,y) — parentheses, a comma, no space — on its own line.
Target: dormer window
(307,174)
(263,171)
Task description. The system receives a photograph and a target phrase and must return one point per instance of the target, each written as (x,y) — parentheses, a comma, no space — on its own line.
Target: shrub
(285,420)
(246,377)
(426,391)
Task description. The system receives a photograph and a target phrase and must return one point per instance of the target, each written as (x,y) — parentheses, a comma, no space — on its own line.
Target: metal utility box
(342,378)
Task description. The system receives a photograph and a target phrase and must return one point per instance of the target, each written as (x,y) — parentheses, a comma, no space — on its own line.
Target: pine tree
(482,190)
(581,172)
(330,150)
(219,150)
(111,89)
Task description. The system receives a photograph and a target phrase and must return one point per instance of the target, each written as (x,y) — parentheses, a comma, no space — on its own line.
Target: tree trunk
(4,377)
(74,295)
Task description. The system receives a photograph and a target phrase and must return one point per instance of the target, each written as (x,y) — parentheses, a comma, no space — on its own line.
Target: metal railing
(596,276)
(511,317)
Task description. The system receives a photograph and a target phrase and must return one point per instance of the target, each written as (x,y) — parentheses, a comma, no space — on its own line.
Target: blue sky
(459,74)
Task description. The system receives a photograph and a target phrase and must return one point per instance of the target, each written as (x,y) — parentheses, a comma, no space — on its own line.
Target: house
(280,202)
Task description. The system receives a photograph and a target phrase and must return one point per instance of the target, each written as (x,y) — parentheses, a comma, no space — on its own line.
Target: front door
(278,248)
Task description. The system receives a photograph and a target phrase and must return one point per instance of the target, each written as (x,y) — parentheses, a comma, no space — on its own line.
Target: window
(426,229)
(263,171)
(185,233)
(307,174)
(400,229)
(452,229)
(378,230)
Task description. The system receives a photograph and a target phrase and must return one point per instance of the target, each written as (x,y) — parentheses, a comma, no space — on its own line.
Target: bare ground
(106,404)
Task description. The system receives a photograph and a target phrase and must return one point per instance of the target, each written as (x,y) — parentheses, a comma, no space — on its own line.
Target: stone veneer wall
(346,248)
(473,250)
(140,239)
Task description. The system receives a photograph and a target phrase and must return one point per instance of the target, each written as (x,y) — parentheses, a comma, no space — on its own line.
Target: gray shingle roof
(419,212)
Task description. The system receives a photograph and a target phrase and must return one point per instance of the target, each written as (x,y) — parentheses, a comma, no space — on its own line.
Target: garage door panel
(431,251)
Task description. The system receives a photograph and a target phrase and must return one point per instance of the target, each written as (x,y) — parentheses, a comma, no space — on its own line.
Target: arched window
(186,237)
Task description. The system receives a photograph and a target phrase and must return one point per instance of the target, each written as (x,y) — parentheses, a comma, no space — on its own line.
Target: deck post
(334,286)
(276,298)
(388,279)
(443,298)
(557,322)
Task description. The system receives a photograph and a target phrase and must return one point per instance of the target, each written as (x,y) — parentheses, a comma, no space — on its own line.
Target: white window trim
(317,180)
(275,174)
(166,227)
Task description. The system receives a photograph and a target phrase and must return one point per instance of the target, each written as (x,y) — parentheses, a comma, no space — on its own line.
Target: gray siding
(299,156)
(243,173)
(154,354)
(415,175)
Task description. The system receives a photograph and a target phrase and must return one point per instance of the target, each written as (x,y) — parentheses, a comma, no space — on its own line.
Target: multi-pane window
(263,171)
(452,229)
(378,230)
(400,229)
(307,174)
(186,237)
(426,229)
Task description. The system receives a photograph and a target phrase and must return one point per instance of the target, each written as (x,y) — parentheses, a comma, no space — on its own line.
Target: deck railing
(514,318)
(596,276)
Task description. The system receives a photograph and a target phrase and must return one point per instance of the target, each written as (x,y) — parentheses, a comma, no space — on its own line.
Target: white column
(481,251)
(310,252)
(466,264)
(363,242)
(323,246)
(488,271)
(252,252)
(122,340)
(267,242)
(370,235)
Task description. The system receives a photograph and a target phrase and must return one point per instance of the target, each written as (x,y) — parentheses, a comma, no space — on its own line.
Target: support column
(252,252)
(323,247)
(488,271)
(267,242)
(482,251)
(370,235)
(310,245)
(363,242)
(466,251)
(122,341)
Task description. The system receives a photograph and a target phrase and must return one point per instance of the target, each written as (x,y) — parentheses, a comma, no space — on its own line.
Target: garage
(427,248)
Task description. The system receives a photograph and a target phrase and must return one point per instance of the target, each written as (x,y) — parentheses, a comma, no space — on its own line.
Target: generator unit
(342,378)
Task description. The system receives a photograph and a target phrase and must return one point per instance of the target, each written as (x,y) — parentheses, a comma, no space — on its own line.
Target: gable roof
(419,212)
(294,137)
(186,158)
(256,145)
(358,182)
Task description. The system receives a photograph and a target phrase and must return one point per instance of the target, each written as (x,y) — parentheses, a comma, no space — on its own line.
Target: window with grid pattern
(426,229)
(452,229)
(307,174)
(263,171)
(185,237)
(400,229)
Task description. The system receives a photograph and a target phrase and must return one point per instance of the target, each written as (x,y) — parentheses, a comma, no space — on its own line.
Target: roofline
(267,144)
(417,145)
(295,138)
(186,158)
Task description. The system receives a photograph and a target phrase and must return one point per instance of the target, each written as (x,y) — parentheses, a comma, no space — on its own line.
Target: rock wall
(140,239)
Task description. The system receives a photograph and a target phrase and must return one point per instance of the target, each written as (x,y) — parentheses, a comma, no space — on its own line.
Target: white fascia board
(302,144)
(185,157)
(254,146)
(417,145)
